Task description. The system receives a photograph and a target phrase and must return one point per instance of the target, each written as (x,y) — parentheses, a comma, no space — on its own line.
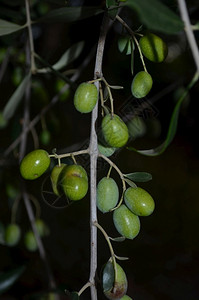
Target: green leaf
(108,276)
(70,14)
(69,56)
(172,126)
(8,278)
(130,182)
(8,27)
(74,296)
(15,99)
(157,16)
(117,239)
(139,176)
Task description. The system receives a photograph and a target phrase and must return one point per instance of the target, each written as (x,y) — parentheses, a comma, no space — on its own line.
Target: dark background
(163,259)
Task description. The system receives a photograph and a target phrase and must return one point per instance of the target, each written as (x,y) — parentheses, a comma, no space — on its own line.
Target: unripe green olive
(107,194)
(153,47)
(115,131)
(119,286)
(85,97)
(139,201)
(106,151)
(126,223)
(141,84)
(125,297)
(74,182)
(45,137)
(41,227)
(34,164)
(12,234)
(30,241)
(55,178)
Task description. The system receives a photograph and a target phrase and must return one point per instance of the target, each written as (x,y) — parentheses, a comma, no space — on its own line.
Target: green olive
(107,194)
(30,241)
(74,182)
(125,297)
(12,234)
(120,284)
(153,47)
(34,164)
(55,179)
(45,137)
(139,201)
(126,223)
(85,97)
(115,131)
(41,227)
(141,84)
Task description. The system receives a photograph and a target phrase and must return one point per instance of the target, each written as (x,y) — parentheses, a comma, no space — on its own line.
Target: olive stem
(109,171)
(116,168)
(189,32)
(108,241)
(134,38)
(88,284)
(75,153)
(110,95)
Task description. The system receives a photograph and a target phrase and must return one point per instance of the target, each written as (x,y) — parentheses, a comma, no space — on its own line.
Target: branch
(93,160)
(189,32)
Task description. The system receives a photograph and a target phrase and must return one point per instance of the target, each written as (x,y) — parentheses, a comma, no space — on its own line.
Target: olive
(34,164)
(85,97)
(115,131)
(126,223)
(153,47)
(107,194)
(12,234)
(141,84)
(139,201)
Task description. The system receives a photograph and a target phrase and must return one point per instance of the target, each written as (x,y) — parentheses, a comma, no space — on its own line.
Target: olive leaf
(70,14)
(139,176)
(157,16)
(121,257)
(15,99)
(9,27)
(117,239)
(130,182)
(172,126)
(108,276)
(8,278)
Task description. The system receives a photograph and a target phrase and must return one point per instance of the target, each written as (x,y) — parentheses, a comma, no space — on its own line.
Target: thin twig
(29,22)
(189,31)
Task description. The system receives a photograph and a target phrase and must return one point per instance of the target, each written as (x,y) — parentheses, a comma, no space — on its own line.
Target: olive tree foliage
(28,71)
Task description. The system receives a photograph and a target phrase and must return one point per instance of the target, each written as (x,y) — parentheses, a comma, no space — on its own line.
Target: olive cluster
(153,48)
(13,234)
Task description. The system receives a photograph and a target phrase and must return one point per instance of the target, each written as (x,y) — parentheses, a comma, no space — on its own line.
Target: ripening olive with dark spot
(74,182)
(126,223)
(55,178)
(153,47)
(115,131)
(12,234)
(85,97)
(120,285)
(34,164)
(139,201)
(107,194)
(141,84)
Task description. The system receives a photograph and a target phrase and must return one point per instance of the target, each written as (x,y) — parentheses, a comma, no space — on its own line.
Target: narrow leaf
(172,126)
(8,27)
(70,14)
(121,257)
(8,278)
(131,183)
(108,276)
(69,56)
(117,239)
(139,176)
(15,99)
(157,16)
